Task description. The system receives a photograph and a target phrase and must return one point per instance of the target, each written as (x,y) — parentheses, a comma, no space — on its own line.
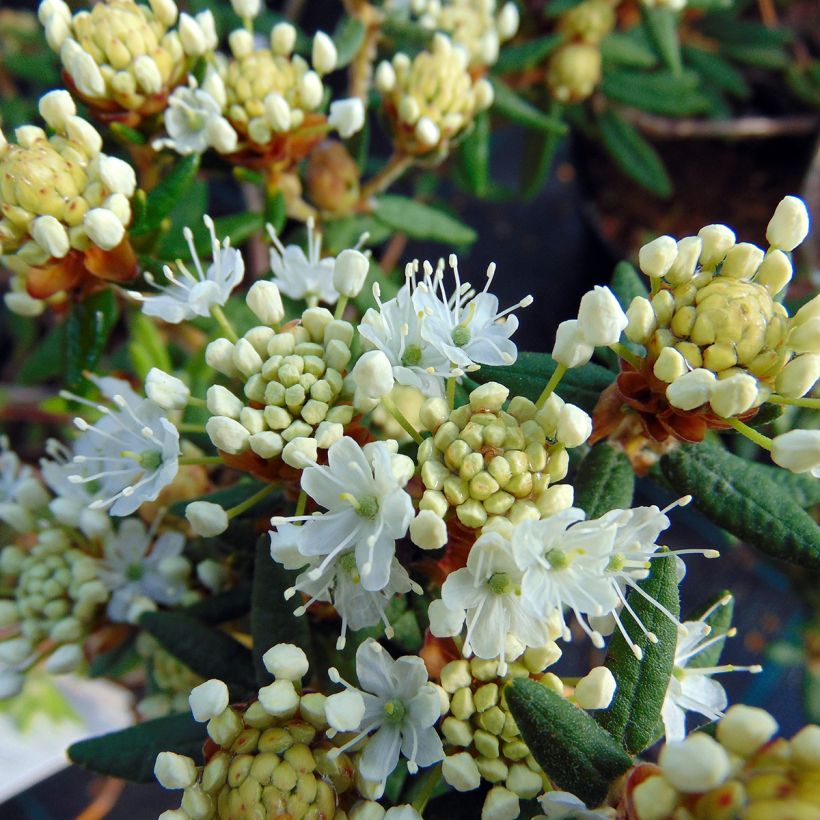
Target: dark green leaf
(574,751)
(642,684)
(127,134)
(272,618)
(716,71)
(771,57)
(659,92)
(227,498)
(209,652)
(474,153)
(627,283)
(531,372)
(223,606)
(165,195)
(633,154)
(605,481)
(662,24)
(538,159)
(802,487)
(727,28)
(147,347)
(526,55)
(420,221)
(276,211)
(739,498)
(131,753)
(89,325)
(345,232)
(117,661)
(348,39)
(46,360)
(38,68)
(516,109)
(236,227)
(624,48)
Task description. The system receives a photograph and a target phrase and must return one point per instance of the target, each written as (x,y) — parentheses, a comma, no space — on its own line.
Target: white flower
(367,510)
(487,593)
(194,123)
(400,705)
(189,295)
(798,451)
(346,116)
(373,374)
(132,567)
(566,806)
(571,349)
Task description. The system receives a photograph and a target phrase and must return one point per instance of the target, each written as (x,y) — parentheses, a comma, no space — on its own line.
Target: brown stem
(106,799)
(393,251)
(393,169)
(360,74)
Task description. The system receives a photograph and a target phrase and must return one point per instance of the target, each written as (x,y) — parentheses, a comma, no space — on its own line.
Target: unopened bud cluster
(293,380)
(171,681)
(269,759)
(481,737)
(58,195)
(744,772)
(574,69)
(124,55)
(486,462)
(712,328)
(432,97)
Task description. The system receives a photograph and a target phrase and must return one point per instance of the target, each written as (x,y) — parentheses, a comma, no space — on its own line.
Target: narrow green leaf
(223,606)
(127,134)
(272,618)
(47,359)
(147,348)
(739,498)
(345,232)
(348,39)
(662,24)
(633,154)
(642,684)
(774,58)
(209,652)
(659,92)
(420,221)
(526,55)
(131,753)
(167,193)
(89,325)
(531,372)
(537,160)
(516,109)
(574,751)
(727,28)
(716,71)
(276,210)
(605,481)
(474,153)
(623,48)
(627,283)
(802,487)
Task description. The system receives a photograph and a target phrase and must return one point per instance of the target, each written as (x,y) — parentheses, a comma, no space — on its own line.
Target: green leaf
(272,618)
(605,481)
(627,283)
(47,359)
(474,153)
(802,487)
(659,92)
(38,68)
(236,227)
(529,376)
(642,684)
(222,607)
(716,71)
(89,325)
(165,195)
(721,621)
(131,753)
(516,109)
(276,211)
(739,498)
(633,154)
(127,134)
(574,751)
(116,661)
(537,161)
(147,348)
(348,39)
(526,55)
(774,58)
(727,28)
(210,653)
(662,25)
(227,498)
(626,49)
(345,232)
(420,221)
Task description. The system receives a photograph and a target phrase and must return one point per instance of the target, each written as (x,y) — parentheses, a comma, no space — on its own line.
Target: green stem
(301,503)
(197,402)
(451,392)
(250,501)
(199,460)
(758,438)
(188,427)
(224,323)
(554,381)
(340,307)
(626,354)
(804,402)
(431,778)
(394,411)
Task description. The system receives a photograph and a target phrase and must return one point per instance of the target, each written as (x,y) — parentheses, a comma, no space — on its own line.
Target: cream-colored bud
(346,116)
(810,310)
(805,747)
(427,132)
(596,690)
(733,396)
(56,107)
(311,90)
(148,74)
(444,623)
(641,320)
(300,452)
(24,305)
(717,240)
(221,135)
(500,804)
(227,434)
(65,659)
(29,135)
(84,72)
(654,799)
(51,235)
(789,225)
(240,42)
(169,392)
(483,94)
(656,257)
(207,23)
(373,374)
(350,272)
(554,499)
(691,390)
(165,11)
(219,356)
(323,53)
(286,661)
(669,365)
(119,205)
(208,700)
(83,132)
(460,772)
(799,376)
(574,426)
(277,112)
(775,272)
(686,261)
(433,413)
(174,771)
(409,110)
(53,8)
(264,299)
(103,228)
(57,30)
(600,317)
(344,711)
(797,450)
(282,39)
(742,261)
(279,699)
(428,531)
(696,764)
(488,396)
(507,21)
(744,729)
(385,77)
(191,36)
(246,359)
(805,337)
(366,810)
(571,349)
(247,9)
(206,518)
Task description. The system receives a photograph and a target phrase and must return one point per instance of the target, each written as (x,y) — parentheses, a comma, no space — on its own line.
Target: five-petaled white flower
(397,701)
(367,510)
(187,295)
(134,446)
(136,565)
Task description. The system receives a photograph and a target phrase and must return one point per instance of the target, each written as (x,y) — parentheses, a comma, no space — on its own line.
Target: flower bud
(15,650)
(84,72)
(789,225)
(641,320)
(691,390)
(344,711)
(654,798)
(56,107)
(733,396)
(507,21)
(669,365)
(221,402)
(282,39)
(373,374)
(744,729)
(247,9)
(169,392)
(51,236)
(797,450)
(191,36)
(148,74)
(742,261)
(805,747)
(367,810)
(103,228)
(385,77)
(600,317)
(656,257)
(64,659)
(428,531)
(805,337)
(206,518)
(574,426)
(277,112)
(775,272)
(799,376)
(696,764)
(84,133)
(427,132)
(117,176)
(717,240)
(349,272)
(208,700)
(460,772)
(241,43)
(219,356)
(323,54)
(279,699)
(174,771)
(596,690)
(300,452)
(227,434)
(286,661)
(265,301)
(500,804)
(346,116)
(11,684)
(212,575)
(312,90)
(165,11)
(571,349)
(488,396)
(24,305)
(221,135)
